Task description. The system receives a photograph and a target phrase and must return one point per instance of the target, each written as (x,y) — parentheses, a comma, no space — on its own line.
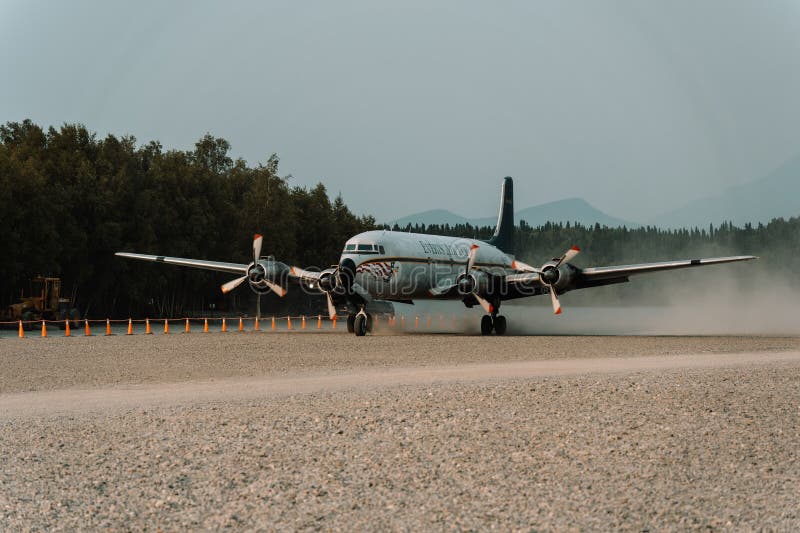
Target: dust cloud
(709,303)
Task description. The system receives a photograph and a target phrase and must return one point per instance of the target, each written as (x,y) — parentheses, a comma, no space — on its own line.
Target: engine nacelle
(260,272)
(476,281)
(561,277)
(328,281)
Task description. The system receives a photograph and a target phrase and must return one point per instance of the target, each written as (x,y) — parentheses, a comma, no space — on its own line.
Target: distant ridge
(568,210)
(775,195)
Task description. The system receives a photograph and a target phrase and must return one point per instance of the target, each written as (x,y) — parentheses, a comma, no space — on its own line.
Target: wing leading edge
(609,272)
(232,268)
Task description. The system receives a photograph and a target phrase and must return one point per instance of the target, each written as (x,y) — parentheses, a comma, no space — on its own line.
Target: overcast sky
(635,106)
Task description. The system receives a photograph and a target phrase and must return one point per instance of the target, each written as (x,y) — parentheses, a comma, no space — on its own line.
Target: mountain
(776,195)
(434,216)
(568,210)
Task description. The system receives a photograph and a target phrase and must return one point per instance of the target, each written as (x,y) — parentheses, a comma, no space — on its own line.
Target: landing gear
(486,325)
(500,325)
(360,324)
(496,323)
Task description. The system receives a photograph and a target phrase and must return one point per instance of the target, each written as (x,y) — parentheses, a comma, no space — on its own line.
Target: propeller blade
(473,252)
(524,267)
(556,303)
(489,308)
(305,275)
(569,255)
(331,306)
(257,240)
(228,287)
(277,289)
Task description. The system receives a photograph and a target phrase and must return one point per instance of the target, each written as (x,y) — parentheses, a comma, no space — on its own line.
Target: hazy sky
(635,106)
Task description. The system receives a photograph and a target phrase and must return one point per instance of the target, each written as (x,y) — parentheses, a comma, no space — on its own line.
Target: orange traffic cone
(303,322)
(44,328)
(86,331)
(333,322)
(273,323)
(205,325)
(166,326)
(21,330)
(130,327)
(108,327)
(288,322)
(255,325)
(67,332)
(186,328)
(224,326)
(428,322)
(402,321)
(319,321)
(416,322)
(241,325)
(147,330)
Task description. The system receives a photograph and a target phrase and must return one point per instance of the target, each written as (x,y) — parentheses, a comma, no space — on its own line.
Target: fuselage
(405,266)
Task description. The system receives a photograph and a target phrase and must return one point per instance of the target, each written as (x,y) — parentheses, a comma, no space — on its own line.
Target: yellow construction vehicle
(43,303)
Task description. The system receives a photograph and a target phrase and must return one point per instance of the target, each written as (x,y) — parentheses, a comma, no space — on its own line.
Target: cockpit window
(361,248)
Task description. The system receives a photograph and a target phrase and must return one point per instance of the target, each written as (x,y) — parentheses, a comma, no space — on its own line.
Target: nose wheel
(496,323)
(360,324)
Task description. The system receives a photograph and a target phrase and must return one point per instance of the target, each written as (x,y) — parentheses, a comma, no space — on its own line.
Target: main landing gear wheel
(486,325)
(351,323)
(489,323)
(360,325)
(500,325)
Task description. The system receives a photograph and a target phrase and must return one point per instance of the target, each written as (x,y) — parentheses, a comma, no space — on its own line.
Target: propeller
(325,283)
(473,253)
(550,276)
(331,306)
(255,272)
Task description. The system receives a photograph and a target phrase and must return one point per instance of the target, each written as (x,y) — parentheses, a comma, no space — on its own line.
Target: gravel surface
(55,363)
(675,449)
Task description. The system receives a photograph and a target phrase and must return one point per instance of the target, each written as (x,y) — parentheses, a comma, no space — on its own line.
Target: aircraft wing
(611,272)
(232,268)
(522,284)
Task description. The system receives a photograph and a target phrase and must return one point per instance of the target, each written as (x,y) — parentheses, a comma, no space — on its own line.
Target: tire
(500,325)
(486,325)
(351,321)
(360,325)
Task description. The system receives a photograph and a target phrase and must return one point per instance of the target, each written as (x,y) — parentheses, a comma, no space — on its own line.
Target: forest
(69,200)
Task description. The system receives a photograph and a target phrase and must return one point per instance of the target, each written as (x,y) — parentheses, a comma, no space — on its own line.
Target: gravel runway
(329,432)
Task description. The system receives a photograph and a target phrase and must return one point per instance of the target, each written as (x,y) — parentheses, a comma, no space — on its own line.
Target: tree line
(69,200)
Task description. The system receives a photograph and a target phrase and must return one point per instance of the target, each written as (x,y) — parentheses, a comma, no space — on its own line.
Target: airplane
(390,266)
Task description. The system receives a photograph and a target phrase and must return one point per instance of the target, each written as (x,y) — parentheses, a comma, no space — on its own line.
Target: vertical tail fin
(503,237)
